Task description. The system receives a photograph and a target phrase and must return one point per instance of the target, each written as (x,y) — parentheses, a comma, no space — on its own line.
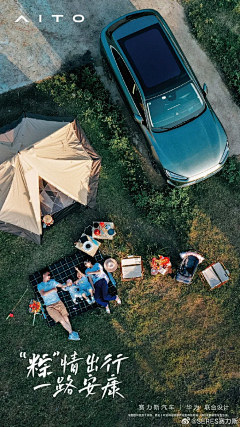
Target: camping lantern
(48,220)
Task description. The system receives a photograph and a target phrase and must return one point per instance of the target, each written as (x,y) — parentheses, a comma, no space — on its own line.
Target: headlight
(225,154)
(173,175)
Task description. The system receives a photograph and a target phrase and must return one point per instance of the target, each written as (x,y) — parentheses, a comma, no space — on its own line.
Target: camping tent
(46,164)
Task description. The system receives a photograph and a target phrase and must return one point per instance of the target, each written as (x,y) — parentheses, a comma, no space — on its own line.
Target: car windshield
(175,107)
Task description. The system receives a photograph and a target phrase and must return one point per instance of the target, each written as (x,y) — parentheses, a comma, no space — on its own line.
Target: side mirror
(138,119)
(205,89)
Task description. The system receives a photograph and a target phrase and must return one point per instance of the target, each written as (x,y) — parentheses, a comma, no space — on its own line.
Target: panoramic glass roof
(153,59)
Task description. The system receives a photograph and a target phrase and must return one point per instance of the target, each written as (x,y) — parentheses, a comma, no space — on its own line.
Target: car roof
(151,55)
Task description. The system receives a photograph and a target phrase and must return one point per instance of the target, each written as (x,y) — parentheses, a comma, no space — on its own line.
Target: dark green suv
(185,136)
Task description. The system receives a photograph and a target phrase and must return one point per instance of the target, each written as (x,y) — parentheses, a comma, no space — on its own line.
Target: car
(185,137)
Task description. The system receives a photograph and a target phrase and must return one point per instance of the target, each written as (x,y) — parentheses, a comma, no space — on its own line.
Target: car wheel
(153,162)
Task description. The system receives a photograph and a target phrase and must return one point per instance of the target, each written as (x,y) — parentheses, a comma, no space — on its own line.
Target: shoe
(93,300)
(108,310)
(118,300)
(74,336)
(89,301)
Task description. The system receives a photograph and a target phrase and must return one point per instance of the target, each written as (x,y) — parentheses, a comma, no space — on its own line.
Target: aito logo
(75,18)
(185,421)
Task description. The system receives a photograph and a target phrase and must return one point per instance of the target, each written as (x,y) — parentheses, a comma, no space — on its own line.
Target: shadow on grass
(30,99)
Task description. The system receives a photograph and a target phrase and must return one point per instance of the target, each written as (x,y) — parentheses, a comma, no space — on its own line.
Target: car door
(131,93)
(143,120)
(128,85)
(135,102)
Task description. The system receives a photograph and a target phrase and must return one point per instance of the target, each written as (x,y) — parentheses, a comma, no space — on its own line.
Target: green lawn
(181,341)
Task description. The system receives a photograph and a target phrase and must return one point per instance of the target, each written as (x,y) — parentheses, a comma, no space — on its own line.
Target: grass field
(216,25)
(181,341)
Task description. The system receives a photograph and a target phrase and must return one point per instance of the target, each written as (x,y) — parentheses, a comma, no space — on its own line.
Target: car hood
(192,148)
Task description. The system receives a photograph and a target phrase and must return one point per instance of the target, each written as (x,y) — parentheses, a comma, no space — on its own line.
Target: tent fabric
(56,151)
(96,165)
(20,232)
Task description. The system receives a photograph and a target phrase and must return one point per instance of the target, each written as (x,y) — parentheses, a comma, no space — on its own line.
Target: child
(81,288)
(85,286)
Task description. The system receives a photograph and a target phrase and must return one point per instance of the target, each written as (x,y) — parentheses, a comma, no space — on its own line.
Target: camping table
(103,229)
(93,245)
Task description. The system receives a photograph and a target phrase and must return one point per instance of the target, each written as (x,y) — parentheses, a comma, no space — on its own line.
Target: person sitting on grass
(54,306)
(100,281)
(81,288)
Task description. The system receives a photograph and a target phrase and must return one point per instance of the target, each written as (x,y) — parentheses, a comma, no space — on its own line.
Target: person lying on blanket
(100,280)
(82,288)
(54,306)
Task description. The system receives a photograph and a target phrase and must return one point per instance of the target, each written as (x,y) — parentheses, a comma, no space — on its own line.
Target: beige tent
(51,149)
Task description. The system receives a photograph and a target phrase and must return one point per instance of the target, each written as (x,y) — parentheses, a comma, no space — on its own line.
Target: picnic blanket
(61,271)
